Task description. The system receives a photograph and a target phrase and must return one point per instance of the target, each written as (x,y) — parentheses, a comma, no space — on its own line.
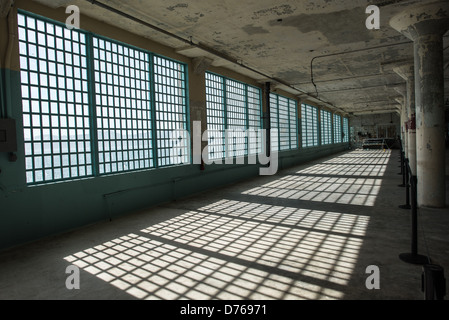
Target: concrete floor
(308,232)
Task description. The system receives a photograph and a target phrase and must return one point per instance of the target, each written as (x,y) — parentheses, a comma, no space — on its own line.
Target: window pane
(215,107)
(173,143)
(43,129)
(124,122)
(283,118)
(234,108)
(309,120)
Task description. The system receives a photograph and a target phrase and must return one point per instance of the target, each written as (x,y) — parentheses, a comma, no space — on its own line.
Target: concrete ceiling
(286,42)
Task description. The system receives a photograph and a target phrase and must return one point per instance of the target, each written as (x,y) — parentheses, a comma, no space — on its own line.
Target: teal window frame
(345,130)
(309,126)
(232,105)
(283,117)
(62,80)
(326,127)
(123,107)
(337,129)
(55,106)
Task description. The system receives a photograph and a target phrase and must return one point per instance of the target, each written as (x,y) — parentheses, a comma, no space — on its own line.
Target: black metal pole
(403,170)
(414,217)
(433,282)
(407,185)
(414,257)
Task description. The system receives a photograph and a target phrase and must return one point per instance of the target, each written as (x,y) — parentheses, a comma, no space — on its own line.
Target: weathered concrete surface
(407,72)
(283,39)
(426,24)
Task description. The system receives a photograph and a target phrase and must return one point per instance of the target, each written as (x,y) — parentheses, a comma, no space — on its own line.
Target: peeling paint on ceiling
(282,38)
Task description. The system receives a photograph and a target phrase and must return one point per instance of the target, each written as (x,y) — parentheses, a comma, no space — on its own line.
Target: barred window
(345,130)
(123,107)
(337,128)
(283,118)
(56,126)
(254,120)
(236,116)
(326,127)
(215,97)
(309,121)
(171,112)
(93,106)
(235,107)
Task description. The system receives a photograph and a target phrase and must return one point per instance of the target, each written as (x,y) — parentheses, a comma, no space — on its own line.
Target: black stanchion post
(414,257)
(407,185)
(433,282)
(403,170)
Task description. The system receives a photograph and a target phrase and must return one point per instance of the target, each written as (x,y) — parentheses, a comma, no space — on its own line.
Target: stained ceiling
(319,50)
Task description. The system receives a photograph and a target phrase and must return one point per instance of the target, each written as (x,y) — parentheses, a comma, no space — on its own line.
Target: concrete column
(426,24)
(402,90)
(407,72)
(197,95)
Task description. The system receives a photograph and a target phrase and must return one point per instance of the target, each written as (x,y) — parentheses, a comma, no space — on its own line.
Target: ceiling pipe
(359,88)
(373,75)
(209,50)
(350,52)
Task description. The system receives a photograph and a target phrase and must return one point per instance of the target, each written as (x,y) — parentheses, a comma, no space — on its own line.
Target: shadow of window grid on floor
(234,249)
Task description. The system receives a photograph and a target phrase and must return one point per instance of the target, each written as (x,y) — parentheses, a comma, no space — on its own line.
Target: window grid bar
(153,118)
(225,114)
(246,103)
(92,106)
